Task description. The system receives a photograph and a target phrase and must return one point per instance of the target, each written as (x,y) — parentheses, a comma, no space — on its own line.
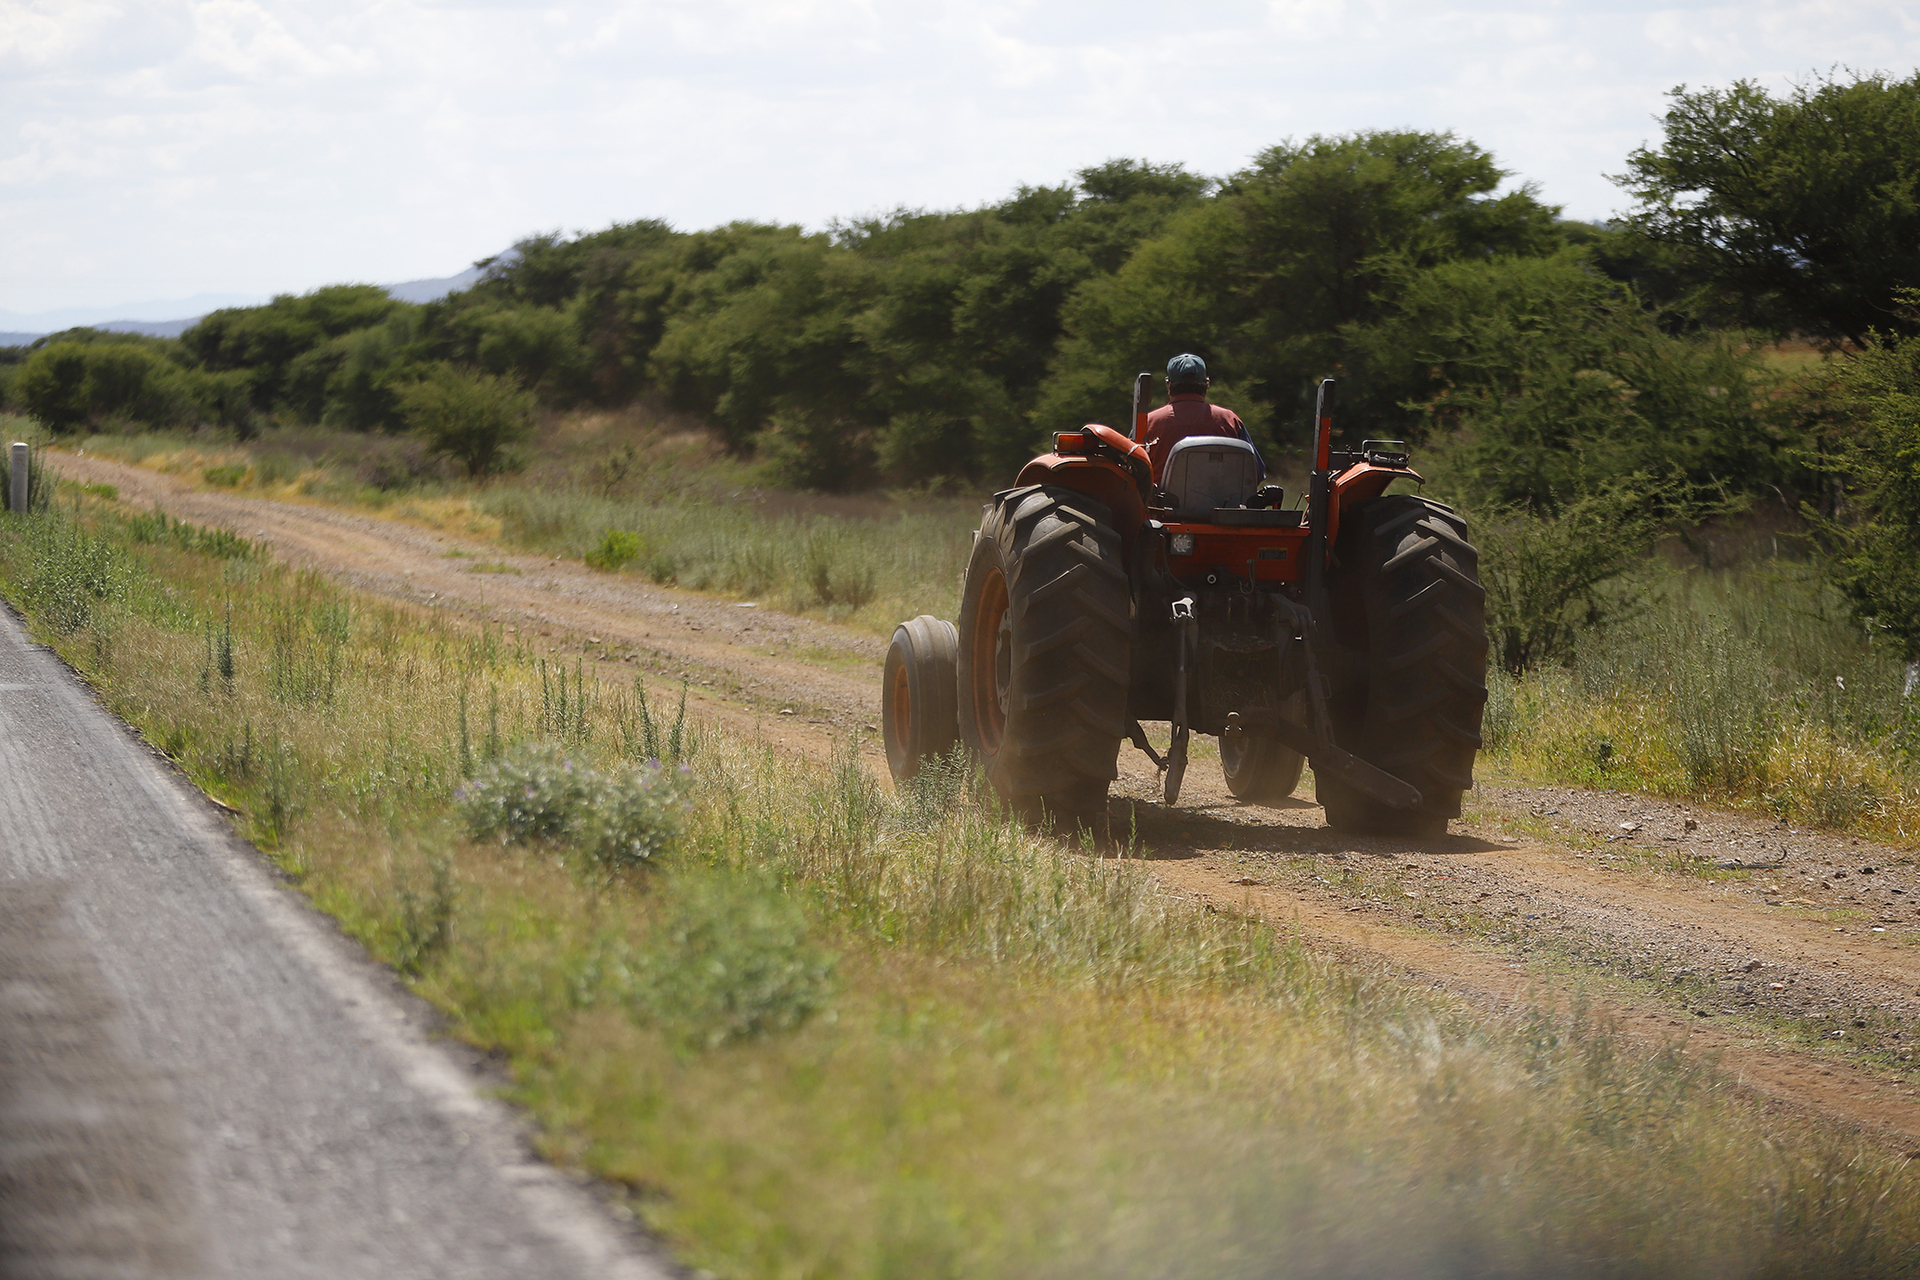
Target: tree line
(1543,359)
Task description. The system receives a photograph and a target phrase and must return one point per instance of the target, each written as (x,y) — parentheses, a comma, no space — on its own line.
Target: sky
(183,150)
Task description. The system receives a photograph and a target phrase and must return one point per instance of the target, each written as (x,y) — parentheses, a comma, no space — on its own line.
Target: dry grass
(685,511)
(1029,1061)
(1752,689)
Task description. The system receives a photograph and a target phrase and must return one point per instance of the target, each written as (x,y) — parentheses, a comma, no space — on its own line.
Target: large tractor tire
(1259,768)
(1045,646)
(1411,614)
(919,712)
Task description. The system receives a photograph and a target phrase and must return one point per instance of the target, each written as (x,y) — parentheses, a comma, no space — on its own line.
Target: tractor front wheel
(1259,768)
(918,716)
(1045,644)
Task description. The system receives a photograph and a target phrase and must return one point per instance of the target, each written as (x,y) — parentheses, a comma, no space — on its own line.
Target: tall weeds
(870,570)
(1752,687)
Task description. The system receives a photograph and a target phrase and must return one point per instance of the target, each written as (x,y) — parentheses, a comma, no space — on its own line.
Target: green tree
(1875,557)
(474,418)
(266,341)
(362,392)
(1799,213)
(757,321)
(51,386)
(1261,280)
(538,345)
(84,381)
(548,270)
(963,311)
(352,381)
(914,342)
(1542,380)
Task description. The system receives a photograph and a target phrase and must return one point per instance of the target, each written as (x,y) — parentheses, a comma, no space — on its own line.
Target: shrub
(1545,574)
(474,418)
(732,960)
(73,573)
(835,573)
(539,345)
(623,818)
(818,451)
(1553,381)
(618,548)
(636,814)
(424,922)
(1875,559)
(74,384)
(532,792)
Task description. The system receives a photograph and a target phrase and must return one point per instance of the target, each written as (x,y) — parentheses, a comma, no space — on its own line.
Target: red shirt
(1189,414)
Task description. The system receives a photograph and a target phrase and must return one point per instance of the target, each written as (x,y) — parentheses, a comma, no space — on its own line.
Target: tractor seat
(1204,473)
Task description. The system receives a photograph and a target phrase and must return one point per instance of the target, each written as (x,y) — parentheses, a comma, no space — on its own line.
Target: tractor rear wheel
(1410,614)
(1260,769)
(919,715)
(1045,649)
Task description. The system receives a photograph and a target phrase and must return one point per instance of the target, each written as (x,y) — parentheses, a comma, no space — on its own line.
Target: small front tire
(919,713)
(1259,768)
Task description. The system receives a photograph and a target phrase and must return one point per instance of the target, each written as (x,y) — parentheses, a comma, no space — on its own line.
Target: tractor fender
(1101,479)
(1357,485)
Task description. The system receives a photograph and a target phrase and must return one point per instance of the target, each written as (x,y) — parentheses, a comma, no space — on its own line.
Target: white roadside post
(17,500)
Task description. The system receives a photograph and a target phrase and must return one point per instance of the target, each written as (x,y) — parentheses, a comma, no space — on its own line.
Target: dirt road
(1793,956)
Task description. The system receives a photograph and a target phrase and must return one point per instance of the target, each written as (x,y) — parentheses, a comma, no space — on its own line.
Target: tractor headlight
(1182,544)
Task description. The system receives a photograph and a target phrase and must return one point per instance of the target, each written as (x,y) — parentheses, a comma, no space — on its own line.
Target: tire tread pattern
(1072,644)
(1425,665)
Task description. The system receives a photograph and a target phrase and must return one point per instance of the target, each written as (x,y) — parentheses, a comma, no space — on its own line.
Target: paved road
(199,1076)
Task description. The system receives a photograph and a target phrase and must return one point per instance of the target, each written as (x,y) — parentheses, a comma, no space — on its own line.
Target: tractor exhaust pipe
(1319,494)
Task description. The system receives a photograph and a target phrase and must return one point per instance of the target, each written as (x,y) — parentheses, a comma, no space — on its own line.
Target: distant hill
(434,290)
(159,310)
(146,317)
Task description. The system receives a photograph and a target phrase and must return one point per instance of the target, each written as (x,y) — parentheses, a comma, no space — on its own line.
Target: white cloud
(177,146)
(40,32)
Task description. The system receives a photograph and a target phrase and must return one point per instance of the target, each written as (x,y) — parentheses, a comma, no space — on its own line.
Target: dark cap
(1186,369)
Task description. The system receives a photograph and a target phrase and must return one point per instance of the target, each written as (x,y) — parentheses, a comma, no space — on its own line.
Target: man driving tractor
(1187,413)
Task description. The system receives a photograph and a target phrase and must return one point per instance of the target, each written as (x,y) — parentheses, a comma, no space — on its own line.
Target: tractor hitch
(1138,737)
(1186,626)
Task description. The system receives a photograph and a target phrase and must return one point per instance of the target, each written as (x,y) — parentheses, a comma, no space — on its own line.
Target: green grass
(1752,688)
(837,1032)
(869,570)
(628,495)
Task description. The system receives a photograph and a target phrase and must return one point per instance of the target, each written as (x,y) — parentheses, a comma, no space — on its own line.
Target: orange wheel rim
(990,648)
(902,709)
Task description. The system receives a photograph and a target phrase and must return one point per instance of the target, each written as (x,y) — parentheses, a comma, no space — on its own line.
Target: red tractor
(1350,633)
